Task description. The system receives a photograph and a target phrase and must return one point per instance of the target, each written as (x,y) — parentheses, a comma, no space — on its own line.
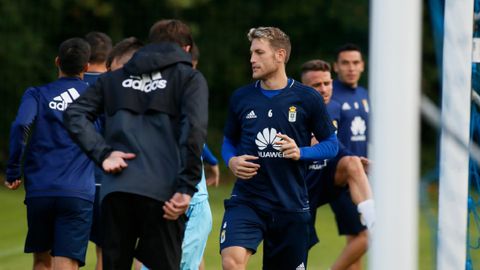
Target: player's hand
(115,162)
(366,164)
(242,168)
(176,206)
(288,146)
(214,175)
(13,185)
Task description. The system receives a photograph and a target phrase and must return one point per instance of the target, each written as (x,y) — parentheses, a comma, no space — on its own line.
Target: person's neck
(354,85)
(97,68)
(63,75)
(276,82)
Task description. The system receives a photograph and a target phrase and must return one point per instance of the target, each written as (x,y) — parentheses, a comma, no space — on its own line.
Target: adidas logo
(346,106)
(300,267)
(61,102)
(146,83)
(251,115)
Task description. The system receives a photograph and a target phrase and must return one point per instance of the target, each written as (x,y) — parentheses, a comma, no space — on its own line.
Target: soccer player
(122,52)
(328,179)
(156,111)
(267,146)
(59,178)
(353,134)
(101,45)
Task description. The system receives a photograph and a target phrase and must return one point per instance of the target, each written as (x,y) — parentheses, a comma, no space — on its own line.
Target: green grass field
(13,230)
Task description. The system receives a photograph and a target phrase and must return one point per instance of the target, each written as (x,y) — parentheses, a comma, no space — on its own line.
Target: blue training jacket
(41,149)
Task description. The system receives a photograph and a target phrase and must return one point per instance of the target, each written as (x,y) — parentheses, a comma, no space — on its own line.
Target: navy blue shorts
(285,235)
(346,215)
(322,190)
(59,224)
(95,233)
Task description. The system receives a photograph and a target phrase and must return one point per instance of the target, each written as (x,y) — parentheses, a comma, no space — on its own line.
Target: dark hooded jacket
(156,106)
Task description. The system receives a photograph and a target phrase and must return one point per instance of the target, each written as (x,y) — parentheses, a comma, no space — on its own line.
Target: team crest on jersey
(292,114)
(222,237)
(365,105)
(335,124)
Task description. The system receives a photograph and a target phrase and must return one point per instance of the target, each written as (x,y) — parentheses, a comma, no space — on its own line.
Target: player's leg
(42,261)
(286,241)
(99,264)
(65,263)
(160,240)
(72,229)
(40,219)
(199,226)
(120,226)
(350,171)
(95,233)
(235,258)
(348,222)
(241,233)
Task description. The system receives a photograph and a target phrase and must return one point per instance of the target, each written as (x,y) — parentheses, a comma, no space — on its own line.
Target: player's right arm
(79,121)
(241,166)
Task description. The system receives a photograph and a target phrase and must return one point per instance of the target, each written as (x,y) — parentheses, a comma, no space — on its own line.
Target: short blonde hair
(277,38)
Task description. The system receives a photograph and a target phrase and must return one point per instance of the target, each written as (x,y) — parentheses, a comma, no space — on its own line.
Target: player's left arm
(321,124)
(19,134)
(325,149)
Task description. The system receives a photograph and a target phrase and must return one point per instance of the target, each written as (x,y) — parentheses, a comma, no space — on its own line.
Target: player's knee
(42,260)
(361,240)
(230,262)
(354,166)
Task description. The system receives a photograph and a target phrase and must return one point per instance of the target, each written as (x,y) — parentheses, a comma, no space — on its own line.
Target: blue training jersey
(353,123)
(253,122)
(53,165)
(91,78)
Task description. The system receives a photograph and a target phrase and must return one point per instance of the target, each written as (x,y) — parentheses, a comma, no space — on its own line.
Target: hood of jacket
(156,56)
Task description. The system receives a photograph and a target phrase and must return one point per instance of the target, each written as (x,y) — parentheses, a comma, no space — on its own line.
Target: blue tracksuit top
(41,149)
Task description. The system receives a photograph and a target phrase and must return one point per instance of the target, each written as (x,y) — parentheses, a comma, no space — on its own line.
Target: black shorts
(128,218)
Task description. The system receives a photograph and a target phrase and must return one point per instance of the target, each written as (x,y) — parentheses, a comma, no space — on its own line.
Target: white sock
(367,210)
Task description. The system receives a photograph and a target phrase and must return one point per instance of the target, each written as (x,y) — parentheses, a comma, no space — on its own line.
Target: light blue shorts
(199,226)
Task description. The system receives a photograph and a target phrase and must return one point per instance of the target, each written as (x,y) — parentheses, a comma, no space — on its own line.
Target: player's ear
(85,68)
(281,55)
(187,48)
(335,67)
(57,61)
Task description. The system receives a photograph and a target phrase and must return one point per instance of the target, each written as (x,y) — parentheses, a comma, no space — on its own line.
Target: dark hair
(73,55)
(100,44)
(123,47)
(170,30)
(347,47)
(315,65)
